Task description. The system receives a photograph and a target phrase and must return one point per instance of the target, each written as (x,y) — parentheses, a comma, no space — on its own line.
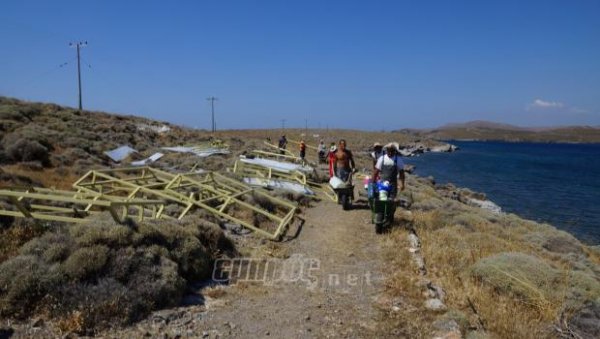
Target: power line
(41,75)
(79,45)
(212,108)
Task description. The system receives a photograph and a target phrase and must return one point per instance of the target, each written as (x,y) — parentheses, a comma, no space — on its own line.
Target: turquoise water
(554,183)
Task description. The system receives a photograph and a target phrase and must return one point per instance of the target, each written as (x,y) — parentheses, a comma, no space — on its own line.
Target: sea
(554,183)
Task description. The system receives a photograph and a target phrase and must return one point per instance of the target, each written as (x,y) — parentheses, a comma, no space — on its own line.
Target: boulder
(443,148)
(435,305)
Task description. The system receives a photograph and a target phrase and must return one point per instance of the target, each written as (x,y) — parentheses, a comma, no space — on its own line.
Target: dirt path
(325,288)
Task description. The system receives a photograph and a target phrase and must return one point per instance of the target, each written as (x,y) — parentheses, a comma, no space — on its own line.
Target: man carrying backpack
(390,167)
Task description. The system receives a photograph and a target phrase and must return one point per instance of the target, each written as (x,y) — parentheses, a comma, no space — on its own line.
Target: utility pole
(79,45)
(212,108)
(306,127)
(283,124)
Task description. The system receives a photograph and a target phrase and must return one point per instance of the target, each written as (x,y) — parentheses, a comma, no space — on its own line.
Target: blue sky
(345,64)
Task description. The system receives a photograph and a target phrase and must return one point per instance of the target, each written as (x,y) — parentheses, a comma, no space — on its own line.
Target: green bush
(107,274)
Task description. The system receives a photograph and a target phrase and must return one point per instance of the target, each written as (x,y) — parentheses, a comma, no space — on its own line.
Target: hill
(485,130)
(449,267)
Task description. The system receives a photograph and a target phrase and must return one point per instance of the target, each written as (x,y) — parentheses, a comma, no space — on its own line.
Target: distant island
(492,131)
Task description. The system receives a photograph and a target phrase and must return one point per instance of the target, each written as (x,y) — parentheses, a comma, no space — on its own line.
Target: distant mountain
(482,124)
(487,130)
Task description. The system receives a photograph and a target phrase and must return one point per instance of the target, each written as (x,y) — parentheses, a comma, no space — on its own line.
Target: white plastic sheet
(279,184)
(120,153)
(157,129)
(154,157)
(278,165)
(200,152)
(336,182)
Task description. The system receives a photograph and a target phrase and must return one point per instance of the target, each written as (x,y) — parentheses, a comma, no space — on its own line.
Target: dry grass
(214,292)
(412,320)
(47,177)
(520,276)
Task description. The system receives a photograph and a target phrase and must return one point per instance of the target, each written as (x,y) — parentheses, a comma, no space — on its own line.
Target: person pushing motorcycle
(390,167)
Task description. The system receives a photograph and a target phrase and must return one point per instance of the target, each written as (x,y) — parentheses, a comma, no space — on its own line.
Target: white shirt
(386,160)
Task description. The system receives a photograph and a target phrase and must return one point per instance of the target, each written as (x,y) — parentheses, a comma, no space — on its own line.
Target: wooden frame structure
(65,206)
(147,193)
(181,193)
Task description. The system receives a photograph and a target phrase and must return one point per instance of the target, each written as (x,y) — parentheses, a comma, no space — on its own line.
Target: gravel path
(325,288)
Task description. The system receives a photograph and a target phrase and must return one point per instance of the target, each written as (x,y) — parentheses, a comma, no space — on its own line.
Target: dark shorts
(302,154)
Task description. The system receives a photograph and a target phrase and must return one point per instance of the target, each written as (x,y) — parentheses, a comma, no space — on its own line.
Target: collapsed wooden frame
(144,192)
(184,192)
(65,206)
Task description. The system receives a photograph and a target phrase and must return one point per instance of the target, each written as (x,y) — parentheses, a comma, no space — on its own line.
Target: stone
(39,322)
(437,291)
(413,240)
(447,329)
(435,304)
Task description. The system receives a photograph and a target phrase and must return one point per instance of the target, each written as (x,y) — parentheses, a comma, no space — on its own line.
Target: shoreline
(552,142)
(537,216)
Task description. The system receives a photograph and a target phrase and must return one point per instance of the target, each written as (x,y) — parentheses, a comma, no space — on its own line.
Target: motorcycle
(382,207)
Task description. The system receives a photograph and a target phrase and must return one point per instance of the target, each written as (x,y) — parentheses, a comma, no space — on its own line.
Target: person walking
(322,150)
(331,157)
(377,153)
(344,162)
(390,168)
(303,152)
(282,144)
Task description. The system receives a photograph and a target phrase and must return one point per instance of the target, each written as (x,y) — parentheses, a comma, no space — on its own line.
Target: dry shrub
(102,274)
(523,275)
(585,322)
(16,232)
(519,275)
(555,241)
(28,150)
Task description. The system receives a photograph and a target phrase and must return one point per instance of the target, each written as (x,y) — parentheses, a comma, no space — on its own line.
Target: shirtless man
(344,161)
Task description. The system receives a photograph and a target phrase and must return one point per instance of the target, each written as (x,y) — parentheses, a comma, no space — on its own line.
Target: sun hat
(392,145)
